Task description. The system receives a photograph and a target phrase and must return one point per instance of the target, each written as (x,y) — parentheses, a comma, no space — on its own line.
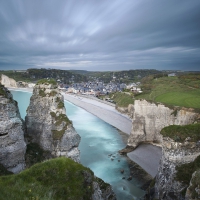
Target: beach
(146,156)
(105,112)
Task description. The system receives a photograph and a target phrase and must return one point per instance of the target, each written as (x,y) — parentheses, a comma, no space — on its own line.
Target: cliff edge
(47,123)
(180,159)
(149,119)
(8,82)
(12,145)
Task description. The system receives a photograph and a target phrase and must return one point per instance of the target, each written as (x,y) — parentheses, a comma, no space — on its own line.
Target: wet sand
(148,157)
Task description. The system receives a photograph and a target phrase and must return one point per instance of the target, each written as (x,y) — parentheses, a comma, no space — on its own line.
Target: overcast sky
(100,35)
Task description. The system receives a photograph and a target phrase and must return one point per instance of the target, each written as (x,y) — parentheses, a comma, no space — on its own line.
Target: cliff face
(8,82)
(12,145)
(149,119)
(174,154)
(48,125)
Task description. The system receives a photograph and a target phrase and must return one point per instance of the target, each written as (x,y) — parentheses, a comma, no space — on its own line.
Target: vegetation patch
(175,112)
(185,171)
(58,121)
(2,91)
(180,133)
(195,184)
(181,91)
(35,154)
(122,99)
(42,93)
(60,105)
(47,82)
(57,135)
(59,178)
(53,93)
(62,118)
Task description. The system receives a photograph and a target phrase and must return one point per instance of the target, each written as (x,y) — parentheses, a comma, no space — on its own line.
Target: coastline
(146,156)
(103,111)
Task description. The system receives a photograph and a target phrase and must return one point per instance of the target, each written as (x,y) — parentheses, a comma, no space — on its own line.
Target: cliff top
(52,179)
(46,82)
(183,90)
(180,133)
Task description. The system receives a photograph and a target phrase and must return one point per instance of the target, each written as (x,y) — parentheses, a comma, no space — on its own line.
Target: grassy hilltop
(181,90)
(59,178)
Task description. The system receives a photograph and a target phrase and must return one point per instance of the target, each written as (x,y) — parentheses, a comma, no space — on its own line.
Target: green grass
(122,99)
(58,120)
(185,99)
(59,178)
(181,91)
(180,133)
(47,82)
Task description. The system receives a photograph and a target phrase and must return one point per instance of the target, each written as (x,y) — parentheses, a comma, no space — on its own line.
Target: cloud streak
(100,35)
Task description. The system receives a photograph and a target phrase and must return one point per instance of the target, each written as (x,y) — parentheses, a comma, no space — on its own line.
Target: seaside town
(97,88)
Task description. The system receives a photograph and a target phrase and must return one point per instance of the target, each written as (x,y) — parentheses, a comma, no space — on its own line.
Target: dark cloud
(100,35)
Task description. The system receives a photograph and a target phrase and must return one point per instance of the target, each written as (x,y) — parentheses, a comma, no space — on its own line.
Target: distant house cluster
(99,88)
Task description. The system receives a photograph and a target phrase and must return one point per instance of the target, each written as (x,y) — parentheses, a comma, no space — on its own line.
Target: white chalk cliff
(8,82)
(149,119)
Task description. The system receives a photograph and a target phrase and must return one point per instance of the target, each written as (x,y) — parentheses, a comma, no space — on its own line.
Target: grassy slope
(122,99)
(176,91)
(59,178)
(180,133)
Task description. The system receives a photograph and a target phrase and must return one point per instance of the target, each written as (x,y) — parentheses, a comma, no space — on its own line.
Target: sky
(100,35)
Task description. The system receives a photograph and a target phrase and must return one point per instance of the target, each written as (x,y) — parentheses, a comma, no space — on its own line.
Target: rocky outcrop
(8,82)
(193,191)
(174,154)
(12,145)
(48,125)
(149,119)
(126,110)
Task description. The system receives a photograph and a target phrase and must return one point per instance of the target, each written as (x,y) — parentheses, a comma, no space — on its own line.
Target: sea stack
(47,123)
(12,144)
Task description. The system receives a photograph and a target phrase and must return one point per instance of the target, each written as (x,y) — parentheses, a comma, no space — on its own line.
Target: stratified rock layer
(149,119)
(12,145)
(173,154)
(48,125)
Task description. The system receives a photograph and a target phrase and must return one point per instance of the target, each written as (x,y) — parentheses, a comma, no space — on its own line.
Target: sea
(99,146)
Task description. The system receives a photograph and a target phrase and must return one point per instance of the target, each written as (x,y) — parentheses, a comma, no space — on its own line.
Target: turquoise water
(98,141)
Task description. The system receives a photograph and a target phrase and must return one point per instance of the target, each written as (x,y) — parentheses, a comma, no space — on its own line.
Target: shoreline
(123,123)
(103,111)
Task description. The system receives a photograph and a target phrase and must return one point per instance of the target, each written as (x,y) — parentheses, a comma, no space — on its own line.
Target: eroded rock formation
(48,125)
(149,119)
(12,145)
(174,154)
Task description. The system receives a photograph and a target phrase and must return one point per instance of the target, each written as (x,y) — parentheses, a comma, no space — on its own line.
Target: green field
(181,91)
(185,99)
